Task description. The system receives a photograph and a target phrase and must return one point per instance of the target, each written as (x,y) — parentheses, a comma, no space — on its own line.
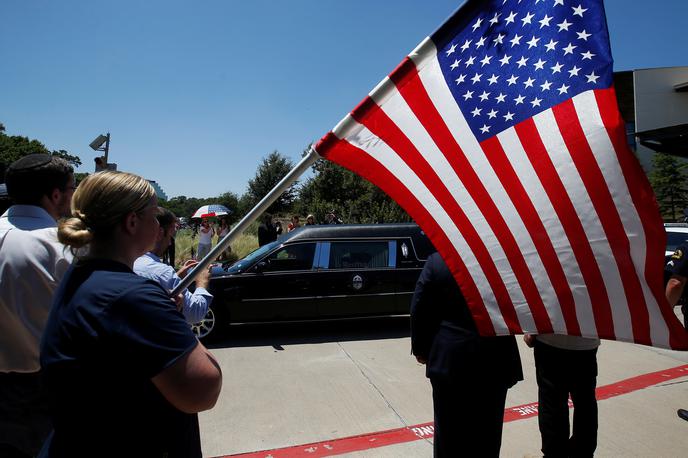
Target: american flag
(500,135)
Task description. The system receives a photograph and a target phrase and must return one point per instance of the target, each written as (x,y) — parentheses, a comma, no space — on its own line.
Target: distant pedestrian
(266,231)
(332,218)
(32,263)
(278,228)
(310,220)
(468,373)
(566,365)
(205,239)
(294,223)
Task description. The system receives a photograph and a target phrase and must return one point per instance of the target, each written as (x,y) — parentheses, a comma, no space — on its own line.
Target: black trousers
(468,417)
(560,373)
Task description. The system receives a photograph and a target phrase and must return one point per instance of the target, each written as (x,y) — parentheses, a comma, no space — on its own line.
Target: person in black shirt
(468,373)
(676,270)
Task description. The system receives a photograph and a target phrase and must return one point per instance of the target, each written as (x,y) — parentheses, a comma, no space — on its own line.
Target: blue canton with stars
(512,59)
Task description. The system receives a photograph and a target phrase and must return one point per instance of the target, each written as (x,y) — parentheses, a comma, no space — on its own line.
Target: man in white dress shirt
(32,263)
(194,305)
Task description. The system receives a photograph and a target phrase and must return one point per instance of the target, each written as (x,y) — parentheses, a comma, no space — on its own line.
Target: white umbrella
(207,211)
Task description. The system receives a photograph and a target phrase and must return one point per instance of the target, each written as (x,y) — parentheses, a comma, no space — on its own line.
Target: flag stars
(465,45)
(477,24)
(533,42)
(556,68)
(516,40)
(451,50)
(493,79)
(569,49)
(583,35)
(579,10)
(563,89)
(519,100)
(512,80)
(499,39)
(587,55)
(492,114)
(535,102)
(484,96)
(476,112)
(468,95)
(592,78)
(539,64)
(544,22)
(461,79)
(485,129)
(574,71)
(505,60)
(495,19)
(470,61)
(558,2)
(551,46)
(509,116)
(500,98)
(564,25)
(529,82)
(510,18)
(485,60)
(545,86)
(476,77)
(455,64)
(480,42)
(527,19)
(522,61)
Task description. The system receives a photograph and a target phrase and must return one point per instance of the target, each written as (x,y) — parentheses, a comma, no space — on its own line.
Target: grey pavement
(292,384)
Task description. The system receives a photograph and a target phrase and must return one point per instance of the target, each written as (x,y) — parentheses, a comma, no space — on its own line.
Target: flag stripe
(352,157)
(593,180)
(546,170)
(635,239)
(414,93)
(530,217)
(641,193)
(377,121)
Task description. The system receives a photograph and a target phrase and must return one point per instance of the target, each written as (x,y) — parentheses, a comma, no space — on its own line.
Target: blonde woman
(124,374)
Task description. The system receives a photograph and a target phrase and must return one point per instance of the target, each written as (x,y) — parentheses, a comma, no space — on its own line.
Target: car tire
(209,328)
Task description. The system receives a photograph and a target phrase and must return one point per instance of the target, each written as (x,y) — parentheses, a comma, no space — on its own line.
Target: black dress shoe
(682,413)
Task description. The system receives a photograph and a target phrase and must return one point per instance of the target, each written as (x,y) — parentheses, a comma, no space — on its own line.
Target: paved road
(292,384)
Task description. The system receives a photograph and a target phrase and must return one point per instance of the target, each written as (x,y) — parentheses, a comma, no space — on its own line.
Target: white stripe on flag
(563,162)
(603,150)
(360,137)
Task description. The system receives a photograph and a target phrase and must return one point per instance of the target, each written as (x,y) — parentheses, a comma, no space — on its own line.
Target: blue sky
(196,93)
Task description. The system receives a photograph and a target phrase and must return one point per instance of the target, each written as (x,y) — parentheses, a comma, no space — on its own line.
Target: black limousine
(320,273)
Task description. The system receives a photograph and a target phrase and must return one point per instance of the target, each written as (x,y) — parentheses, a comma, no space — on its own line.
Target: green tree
(352,198)
(668,180)
(13,147)
(270,171)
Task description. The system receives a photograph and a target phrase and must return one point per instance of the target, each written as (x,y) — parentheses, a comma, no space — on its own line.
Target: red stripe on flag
(648,211)
(607,212)
(413,91)
(531,219)
(539,158)
(353,158)
(377,121)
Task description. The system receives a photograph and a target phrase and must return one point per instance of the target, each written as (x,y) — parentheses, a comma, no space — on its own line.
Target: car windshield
(674,239)
(241,264)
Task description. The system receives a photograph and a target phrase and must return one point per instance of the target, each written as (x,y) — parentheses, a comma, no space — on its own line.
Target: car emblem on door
(357,282)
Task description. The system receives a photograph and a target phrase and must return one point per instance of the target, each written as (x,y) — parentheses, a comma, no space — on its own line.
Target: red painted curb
(426,430)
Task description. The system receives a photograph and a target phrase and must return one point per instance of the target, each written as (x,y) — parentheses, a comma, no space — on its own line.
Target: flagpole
(251,216)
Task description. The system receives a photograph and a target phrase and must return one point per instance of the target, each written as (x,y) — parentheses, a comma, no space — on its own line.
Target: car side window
(291,257)
(359,255)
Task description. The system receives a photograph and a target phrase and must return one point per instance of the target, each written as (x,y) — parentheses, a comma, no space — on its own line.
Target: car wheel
(207,327)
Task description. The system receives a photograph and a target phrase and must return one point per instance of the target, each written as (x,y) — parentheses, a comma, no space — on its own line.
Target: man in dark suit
(470,374)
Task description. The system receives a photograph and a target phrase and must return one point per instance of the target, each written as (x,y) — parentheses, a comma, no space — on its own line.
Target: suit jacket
(444,333)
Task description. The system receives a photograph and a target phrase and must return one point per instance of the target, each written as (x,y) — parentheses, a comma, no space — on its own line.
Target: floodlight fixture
(98,142)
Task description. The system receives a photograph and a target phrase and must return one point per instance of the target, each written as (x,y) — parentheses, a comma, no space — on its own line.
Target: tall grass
(184,244)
